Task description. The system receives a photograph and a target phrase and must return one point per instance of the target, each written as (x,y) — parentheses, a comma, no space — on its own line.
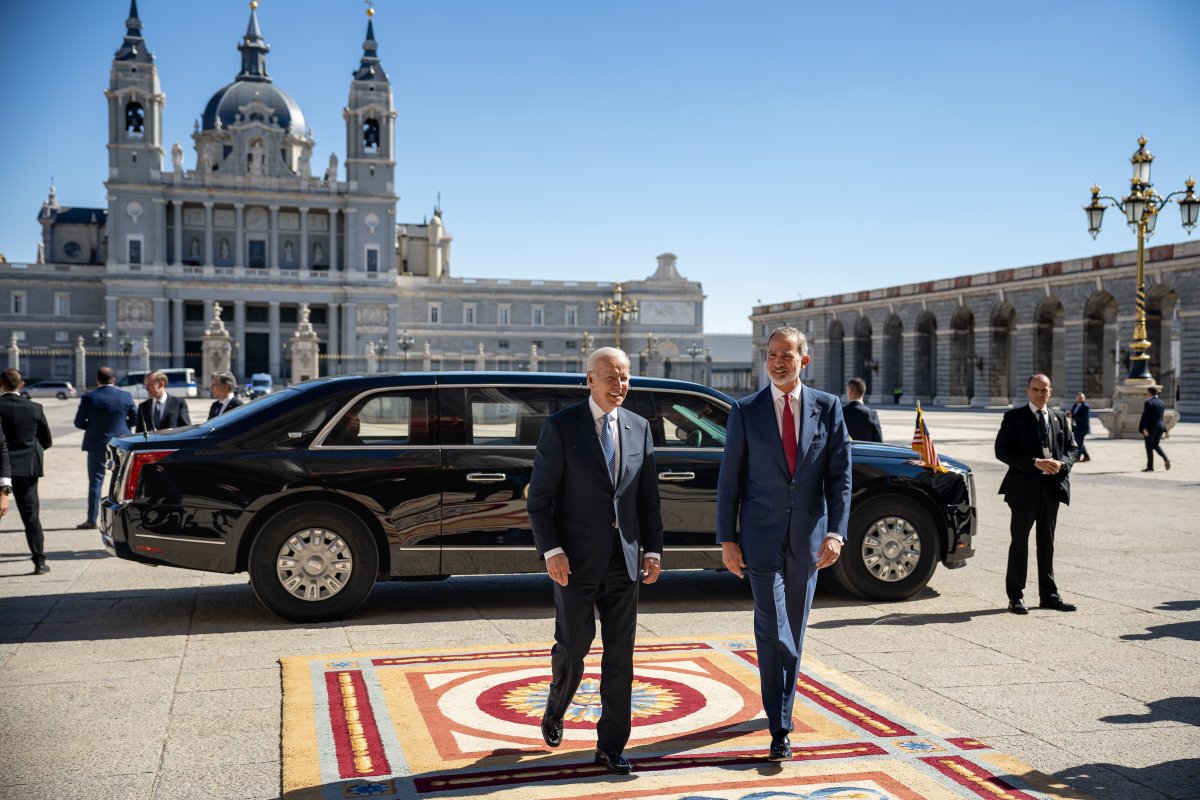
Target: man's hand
(731,555)
(1145,433)
(3,504)
(558,567)
(831,548)
(651,569)
(1048,466)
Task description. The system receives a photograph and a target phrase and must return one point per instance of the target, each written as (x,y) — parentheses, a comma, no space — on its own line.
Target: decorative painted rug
(465,723)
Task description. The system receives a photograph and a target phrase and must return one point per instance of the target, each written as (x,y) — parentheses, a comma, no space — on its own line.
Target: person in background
(1153,426)
(1081,424)
(160,411)
(861,420)
(223,386)
(103,413)
(26,436)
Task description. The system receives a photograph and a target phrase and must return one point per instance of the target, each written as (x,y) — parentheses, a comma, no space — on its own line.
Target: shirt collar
(18,394)
(1034,408)
(777,393)
(597,411)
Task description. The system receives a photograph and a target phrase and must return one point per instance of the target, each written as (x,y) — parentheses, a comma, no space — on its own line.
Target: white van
(181,382)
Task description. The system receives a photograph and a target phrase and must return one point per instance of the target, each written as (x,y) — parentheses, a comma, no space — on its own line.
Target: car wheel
(61,395)
(313,563)
(891,551)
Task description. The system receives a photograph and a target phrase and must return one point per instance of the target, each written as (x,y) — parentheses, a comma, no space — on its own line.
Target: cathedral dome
(225,106)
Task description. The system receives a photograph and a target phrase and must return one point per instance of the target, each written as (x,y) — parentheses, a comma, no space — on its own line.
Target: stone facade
(250,225)
(975,339)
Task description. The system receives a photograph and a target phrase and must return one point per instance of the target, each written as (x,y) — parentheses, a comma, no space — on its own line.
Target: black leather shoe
(41,569)
(86,526)
(615,763)
(1167,464)
(552,731)
(1148,469)
(781,749)
(1017,607)
(1056,604)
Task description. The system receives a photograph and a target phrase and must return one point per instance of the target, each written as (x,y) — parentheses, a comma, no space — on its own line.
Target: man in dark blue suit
(27,436)
(862,421)
(103,413)
(593,503)
(1081,425)
(160,411)
(1153,426)
(783,506)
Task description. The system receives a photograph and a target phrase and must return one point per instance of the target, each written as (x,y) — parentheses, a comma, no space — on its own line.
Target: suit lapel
(808,423)
(587,430)
(762,413)
(624,437)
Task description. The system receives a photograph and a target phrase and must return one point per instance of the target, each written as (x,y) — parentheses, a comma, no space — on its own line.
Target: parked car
(181,382)
(260,385)
(320,489)
(60,389)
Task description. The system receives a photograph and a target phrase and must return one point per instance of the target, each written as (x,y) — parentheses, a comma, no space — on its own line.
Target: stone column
(208,234)
(217,346)
(350,326)
(160,224)
(305,349)
(178,232)
(273,256)
(304,237)
(14,353)
(274,343)
(239,338)
(393,327)
(239,214)
(81,381)
(162,326)
(372,359)
(177,342)
(334,346)
(333,248)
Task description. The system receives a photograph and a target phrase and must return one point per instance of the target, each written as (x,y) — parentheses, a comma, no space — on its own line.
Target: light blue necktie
(606,444)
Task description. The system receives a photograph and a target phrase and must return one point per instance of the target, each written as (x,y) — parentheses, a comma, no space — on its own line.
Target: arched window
(135,120)
(371,136)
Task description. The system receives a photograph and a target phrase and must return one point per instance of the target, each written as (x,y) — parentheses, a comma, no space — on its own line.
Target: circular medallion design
(654,700)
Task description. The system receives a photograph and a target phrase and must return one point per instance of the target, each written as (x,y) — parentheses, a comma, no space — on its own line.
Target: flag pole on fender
(922,443)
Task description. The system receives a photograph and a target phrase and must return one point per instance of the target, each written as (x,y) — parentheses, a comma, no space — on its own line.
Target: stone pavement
(119,680)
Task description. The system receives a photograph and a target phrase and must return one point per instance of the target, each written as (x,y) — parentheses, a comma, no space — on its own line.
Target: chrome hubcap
(314,564)
(891,549)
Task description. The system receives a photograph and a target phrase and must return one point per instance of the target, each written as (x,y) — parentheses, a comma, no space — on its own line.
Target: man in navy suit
(160,411)
(1036,444)
(222,387)
(862,421)
(1153,426)
(593,503)
(103,413)
(27,436)
(783,506)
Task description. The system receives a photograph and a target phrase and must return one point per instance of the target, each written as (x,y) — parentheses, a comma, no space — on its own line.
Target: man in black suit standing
(1081,424)
(103,413)
(26,435)
(593,503)
(160,411)
(222,387)
(862,421)
(1036,444)
(1153,426)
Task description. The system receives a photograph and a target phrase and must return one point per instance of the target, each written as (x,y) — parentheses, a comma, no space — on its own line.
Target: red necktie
(789,435)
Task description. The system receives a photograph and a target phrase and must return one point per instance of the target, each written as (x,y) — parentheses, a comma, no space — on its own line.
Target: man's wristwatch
(6,490)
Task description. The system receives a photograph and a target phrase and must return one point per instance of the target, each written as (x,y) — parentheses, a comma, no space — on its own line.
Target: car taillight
(141,459)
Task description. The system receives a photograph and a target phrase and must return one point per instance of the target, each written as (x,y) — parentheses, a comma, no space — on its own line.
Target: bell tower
(370,124)
(135,103)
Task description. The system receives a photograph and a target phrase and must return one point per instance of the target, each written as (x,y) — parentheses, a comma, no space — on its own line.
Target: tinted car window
(384,419)
(689,420)
(507,414)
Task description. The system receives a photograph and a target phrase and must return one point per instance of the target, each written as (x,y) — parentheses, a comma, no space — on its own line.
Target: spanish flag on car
(922,442)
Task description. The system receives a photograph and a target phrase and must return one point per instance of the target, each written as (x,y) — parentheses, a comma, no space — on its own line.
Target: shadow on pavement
(1188,631)
(1169,709)
(1177,780)
(908,619)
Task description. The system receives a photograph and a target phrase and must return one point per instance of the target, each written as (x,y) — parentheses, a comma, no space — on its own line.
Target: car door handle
(676,476)
(486,477)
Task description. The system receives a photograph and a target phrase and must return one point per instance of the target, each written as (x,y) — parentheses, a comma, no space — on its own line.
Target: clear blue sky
(780,149)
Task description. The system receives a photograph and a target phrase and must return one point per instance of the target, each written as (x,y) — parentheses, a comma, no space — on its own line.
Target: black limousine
(320,489)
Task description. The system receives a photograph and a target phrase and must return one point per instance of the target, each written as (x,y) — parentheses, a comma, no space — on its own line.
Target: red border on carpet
(342,735)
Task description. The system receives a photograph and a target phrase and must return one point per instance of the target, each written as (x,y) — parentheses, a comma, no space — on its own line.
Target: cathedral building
(250,222)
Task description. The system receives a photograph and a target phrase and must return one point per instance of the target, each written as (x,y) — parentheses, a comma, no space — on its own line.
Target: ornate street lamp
(694,349)
(616,308)
(405,342)
(1141,208)
(101,334)
(126,348)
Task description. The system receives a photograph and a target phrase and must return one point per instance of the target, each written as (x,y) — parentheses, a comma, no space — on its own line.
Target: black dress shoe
(781,749)
(615,763)
(1017,607)
(85,526)
(1057,604)
(552,731)
(1148,469)
(41,569)
(1167,464)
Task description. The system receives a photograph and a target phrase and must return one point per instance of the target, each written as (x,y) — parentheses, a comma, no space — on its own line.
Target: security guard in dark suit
(26,436)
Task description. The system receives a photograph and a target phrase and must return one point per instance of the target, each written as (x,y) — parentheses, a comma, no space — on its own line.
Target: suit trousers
(1152,447)
(95,468)
(614,596)
(1040,513)
(783,594)
(1079,437)
(25,494)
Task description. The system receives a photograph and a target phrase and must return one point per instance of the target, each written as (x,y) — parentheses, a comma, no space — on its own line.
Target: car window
(689,420)
(383,419)
(507,414)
